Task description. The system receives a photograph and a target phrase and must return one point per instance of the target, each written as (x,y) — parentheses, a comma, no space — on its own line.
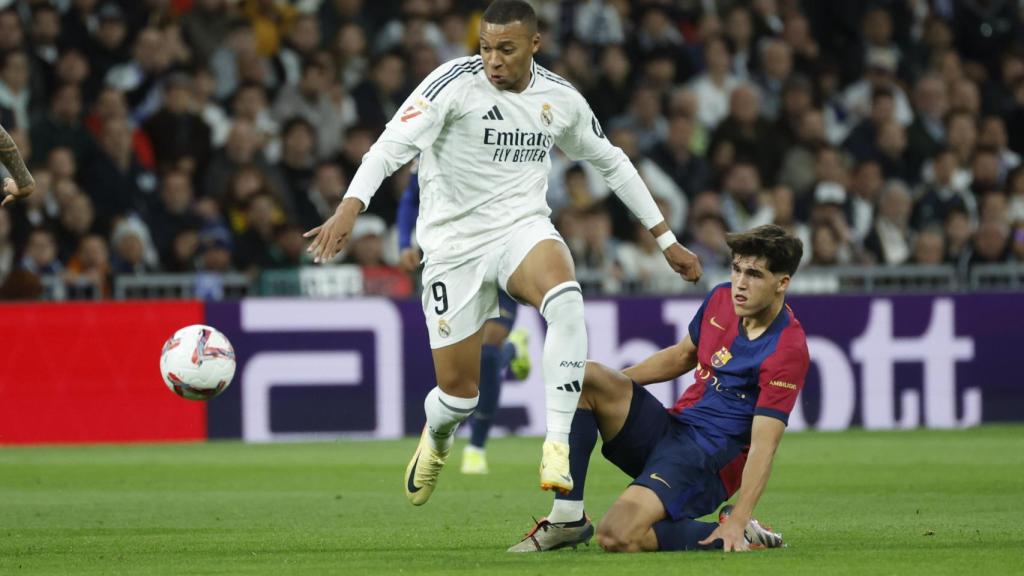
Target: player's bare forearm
(12,160)
(764,441)
(666,364)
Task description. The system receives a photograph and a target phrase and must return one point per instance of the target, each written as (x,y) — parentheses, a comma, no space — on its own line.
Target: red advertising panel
(90,373)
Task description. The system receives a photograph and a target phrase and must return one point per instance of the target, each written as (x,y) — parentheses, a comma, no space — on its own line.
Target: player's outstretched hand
(409,259)
(330,238)
(12,192)
(731,535)
(686,263)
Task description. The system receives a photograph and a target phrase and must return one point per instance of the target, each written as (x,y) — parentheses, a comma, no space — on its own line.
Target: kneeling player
(750,355)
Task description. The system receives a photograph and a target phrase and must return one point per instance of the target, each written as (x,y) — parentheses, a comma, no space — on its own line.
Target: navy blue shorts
(507,309)
(662,454)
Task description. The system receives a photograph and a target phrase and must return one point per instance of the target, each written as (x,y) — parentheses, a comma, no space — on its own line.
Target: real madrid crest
(546,115)
(443,329)
(721,358)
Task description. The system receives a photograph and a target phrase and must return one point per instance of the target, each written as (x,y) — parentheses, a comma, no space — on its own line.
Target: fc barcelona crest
(721,358)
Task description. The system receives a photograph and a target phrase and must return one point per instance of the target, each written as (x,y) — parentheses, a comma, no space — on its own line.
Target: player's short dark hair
(509,11)
(782,252)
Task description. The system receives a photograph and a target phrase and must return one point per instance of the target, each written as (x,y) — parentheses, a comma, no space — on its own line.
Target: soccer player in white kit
(484,127)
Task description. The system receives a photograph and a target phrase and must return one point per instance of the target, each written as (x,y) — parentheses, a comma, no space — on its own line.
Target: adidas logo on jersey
(493,114)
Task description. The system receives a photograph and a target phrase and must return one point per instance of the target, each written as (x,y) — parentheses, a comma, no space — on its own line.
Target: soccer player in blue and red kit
(749,357)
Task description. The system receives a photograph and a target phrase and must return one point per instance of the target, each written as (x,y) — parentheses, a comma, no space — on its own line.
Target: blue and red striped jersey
(738,378)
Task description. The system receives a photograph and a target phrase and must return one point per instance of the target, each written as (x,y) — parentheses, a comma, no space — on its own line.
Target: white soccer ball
(197,362)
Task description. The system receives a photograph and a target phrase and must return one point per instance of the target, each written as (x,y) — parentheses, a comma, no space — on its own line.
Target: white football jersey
(485,153)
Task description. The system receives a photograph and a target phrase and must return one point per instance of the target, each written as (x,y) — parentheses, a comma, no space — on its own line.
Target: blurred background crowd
(207,135)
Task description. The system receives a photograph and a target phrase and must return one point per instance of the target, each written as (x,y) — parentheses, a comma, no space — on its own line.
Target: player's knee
(563,304)
(615,538)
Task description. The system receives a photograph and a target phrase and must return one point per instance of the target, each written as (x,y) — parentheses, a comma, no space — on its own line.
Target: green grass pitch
(920,502)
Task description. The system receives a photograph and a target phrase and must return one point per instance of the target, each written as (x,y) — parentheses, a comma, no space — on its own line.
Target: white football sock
(565,357)
(566,511)
(444,413)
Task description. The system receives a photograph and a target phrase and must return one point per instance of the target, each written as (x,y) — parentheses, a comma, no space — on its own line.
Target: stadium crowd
(207,135)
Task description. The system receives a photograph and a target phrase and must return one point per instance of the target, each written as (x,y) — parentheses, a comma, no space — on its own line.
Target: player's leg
(545,278)
(630,428)
(628,525)
(457,300)
(492,366)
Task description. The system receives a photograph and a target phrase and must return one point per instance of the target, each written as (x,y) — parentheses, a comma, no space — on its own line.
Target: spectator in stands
(366,250)
(205,27)
(183,252)
(797,171)
(378,97)
(863,139)
(744,204)
(613,86)
(77,220)
(990,245)
(63,127)
(708,242)
(270,21)
(993,136)
(111,104)
(289,250)
(238,46)
(958,234)
(181,139)
(298,158)
(714,87)
(116,182)
(748,133)
(929,247)
(44,51)
(776,66)
(994,207)
(784,215)
(15,94)
(826,246)
(320,200)
(253,249)
(961,135)
(61,164)
(40,209)
(939,194)
(795,101)
(673,155)
(108,45)
(350,55)
(241,150)
(90,265)
(889,239)
(327,107)
(596,264)
(139,78)
(213,253)
(985,171)
(454,30)
(644,119)
(830,209)
(865,188)
(927,134)
(249,103)
(133,250)
(173,212)
(891,146)
(40,256)
(12,35)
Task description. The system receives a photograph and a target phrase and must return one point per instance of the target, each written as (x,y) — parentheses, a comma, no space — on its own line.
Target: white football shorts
(458,297)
